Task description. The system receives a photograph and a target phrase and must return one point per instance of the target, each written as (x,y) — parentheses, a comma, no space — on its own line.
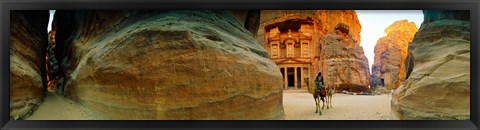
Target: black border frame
(7,5)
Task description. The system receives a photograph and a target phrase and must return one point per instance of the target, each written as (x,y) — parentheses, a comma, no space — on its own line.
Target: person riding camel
(319,83)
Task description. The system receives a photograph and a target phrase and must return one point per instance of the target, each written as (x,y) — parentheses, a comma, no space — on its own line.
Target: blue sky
(374,23)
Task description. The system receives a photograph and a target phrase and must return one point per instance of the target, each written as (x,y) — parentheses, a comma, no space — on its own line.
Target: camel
(319,96)
(329,95)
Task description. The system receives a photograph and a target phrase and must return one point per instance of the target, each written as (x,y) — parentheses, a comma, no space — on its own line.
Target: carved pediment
(291,61)
(290,39)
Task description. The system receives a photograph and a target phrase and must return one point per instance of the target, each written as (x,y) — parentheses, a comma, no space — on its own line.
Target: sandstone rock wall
(391,51)
(167,65)
(250,19)
(344,62)
(438,68)
(240,15)
(52,63)
(326,19)
(341,29)
(28,42)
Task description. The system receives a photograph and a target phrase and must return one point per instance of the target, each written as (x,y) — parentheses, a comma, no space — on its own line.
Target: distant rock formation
(28,42)
(52,63)
(335,44)
(166,65)
(390,53)
(438,70)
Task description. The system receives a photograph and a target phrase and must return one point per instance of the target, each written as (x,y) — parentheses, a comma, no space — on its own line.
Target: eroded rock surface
(167,65)
(327,20)
(28,42)
(344,62)
(250,19)
(391,52)
(438,82)
(52,63)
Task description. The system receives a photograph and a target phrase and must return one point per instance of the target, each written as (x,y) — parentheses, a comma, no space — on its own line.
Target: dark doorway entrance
(299,77)
(290,77)
(382,82)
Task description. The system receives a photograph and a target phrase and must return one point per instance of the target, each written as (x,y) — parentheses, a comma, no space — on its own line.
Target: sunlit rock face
(437,69)
(329,39)
(167,65)
(28,42)
(326,19)
(345,61)
(390,53)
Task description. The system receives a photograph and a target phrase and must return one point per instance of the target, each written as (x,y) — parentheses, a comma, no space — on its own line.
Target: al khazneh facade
(289,44)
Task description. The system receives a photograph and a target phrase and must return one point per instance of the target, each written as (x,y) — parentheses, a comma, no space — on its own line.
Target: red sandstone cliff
(336,50)
(343,62)
(391,51)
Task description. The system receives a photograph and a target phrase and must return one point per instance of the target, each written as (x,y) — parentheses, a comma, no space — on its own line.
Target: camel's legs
(319,111)
(329,98)
(323,101)
(316,104)
(328,101)
(331,101)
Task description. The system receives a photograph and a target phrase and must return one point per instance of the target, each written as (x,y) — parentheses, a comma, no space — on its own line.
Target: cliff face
(343,61)
(167,65)
(250,19)
(438,70)
(28,41)
(335,47)
(391,51)
(326,19)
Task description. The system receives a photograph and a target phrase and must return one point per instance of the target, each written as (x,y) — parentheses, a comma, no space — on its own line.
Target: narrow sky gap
(374,23)
(50,20)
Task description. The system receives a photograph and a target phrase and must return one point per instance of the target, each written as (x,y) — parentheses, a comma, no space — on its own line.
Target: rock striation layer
(438,70)
(390,53)
(166,65)
(28,42)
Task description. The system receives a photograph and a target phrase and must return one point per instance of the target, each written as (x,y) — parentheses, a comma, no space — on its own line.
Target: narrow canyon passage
(204,65)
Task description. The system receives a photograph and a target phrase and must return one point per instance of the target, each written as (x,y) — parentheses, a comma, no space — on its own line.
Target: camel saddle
(322,91)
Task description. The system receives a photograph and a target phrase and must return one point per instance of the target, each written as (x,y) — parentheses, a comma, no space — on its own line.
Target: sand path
(56,107)
(300,105)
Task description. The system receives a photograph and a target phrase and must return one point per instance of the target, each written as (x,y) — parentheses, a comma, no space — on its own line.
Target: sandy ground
(56,107)
(300,105)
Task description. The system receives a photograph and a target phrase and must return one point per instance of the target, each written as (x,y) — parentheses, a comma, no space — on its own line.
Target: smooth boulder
(185,65)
